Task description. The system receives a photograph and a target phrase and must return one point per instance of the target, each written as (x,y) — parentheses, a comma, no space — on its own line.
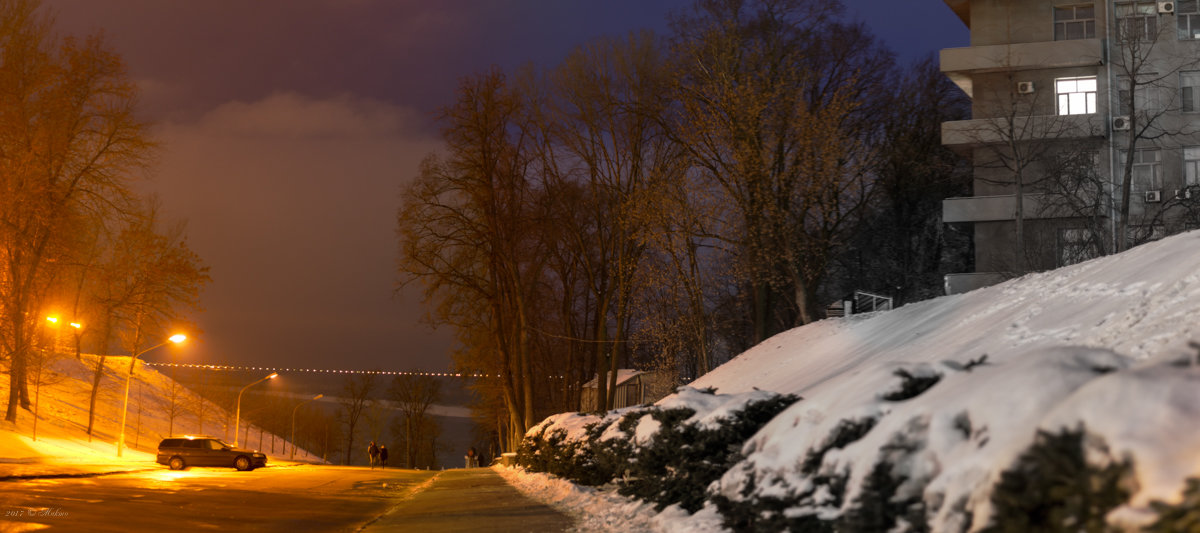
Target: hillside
(61,432)
(911,418)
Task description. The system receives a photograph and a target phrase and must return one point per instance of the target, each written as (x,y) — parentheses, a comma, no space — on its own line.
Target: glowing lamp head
(318,397)
(76,325)
(177,338)
(52,319)
(273,375)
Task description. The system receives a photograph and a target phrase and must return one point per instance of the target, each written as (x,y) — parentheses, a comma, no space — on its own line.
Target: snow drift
(944,395)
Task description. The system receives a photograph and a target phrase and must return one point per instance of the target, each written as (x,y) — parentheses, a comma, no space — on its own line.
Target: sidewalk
(475,499)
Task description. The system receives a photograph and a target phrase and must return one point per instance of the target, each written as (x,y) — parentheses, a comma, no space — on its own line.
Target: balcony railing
(984,131)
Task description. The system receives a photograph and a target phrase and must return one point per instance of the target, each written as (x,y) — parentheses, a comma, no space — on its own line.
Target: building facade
(1085,128)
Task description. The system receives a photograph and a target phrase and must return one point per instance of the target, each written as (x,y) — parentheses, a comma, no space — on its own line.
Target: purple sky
(289,127)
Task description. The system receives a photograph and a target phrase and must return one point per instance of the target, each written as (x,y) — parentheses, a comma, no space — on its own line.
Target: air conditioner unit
(1166,7)
(1025,87)
(1153,196)
(1120,123)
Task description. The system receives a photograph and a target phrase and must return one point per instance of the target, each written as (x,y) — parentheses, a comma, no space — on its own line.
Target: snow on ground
(1103,344)
(61,433)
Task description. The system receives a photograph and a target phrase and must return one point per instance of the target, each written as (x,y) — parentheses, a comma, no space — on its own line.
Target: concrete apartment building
(1059,90)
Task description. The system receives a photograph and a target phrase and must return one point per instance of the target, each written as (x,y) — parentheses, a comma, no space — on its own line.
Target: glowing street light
(237,417)
(176,338)
(54,321)
(317,397)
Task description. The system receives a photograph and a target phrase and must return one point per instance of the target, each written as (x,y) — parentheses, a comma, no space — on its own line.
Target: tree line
(667,202)
(76,239)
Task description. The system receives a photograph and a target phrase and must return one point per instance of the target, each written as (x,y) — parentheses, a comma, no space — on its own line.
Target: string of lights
(323,370)
(317,370)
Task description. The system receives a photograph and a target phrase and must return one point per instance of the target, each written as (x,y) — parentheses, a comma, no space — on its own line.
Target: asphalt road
(292,499)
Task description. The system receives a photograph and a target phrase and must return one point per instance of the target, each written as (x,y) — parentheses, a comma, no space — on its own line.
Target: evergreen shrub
(1053,488)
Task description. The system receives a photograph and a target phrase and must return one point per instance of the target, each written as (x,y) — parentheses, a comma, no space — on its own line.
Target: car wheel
(242,463)
(177,463)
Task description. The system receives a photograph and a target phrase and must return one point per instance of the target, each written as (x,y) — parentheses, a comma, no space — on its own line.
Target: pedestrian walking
(373,452)
(472,458)
(382,457)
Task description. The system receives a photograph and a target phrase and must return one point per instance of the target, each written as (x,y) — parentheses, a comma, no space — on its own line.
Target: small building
(631,390)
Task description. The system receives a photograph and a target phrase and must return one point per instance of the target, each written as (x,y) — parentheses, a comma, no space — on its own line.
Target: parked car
(183,452)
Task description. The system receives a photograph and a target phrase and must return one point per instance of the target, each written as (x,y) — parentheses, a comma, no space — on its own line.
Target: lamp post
(176,338)
(78,327)
(237,417)
(317,397)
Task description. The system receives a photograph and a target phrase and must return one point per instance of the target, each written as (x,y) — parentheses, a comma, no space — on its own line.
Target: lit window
(1137,21)
(1189,83)
(1187,15)
(1076,96)
(1075,22)
(1191,165)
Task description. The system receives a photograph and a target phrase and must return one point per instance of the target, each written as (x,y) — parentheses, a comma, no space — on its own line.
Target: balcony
(980,132)
(959,63)
(999,208)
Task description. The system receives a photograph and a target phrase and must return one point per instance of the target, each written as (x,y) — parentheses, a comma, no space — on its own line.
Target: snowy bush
(783,508)
(685,456)
(549,453)
(883,503)
(610,449)
(1182,516)
(912,384)
(664,454)
(1054,487)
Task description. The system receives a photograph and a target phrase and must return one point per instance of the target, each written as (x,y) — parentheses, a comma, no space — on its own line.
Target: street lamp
(237,417)
(176,338)
(57,341)
(317,397)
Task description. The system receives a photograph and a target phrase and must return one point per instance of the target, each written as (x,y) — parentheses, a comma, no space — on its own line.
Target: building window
(1189,83)
(1187,15)
(1076,245)
(1076,96)
(1145,98)
(1075,22)
(1137,21)
(1147,171)
(1191,165)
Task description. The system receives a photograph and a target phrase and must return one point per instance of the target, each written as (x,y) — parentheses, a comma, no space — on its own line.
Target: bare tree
(355,399)
(145,282)
(413,395)
(774,111)
(465,232)
(607,103)
(68,144)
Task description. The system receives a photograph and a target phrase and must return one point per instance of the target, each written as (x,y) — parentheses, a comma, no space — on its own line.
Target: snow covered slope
(1103,344)
(63,402)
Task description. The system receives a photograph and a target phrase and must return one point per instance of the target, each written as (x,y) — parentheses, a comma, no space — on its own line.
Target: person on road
(382,456)
(373,452)
(472,458)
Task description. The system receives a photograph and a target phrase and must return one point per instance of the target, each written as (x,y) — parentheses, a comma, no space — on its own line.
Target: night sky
(289,126)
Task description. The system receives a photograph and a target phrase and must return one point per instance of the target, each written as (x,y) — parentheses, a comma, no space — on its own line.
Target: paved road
(293,499)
